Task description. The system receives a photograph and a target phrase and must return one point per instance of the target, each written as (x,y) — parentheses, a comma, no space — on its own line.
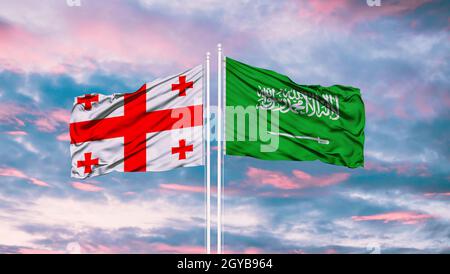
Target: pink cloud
(372,109)
(376,167)
(140,247)
(13,52)
(9,113)
(102,249)
(253,250)
(446,99)
(48,121)
(64,137)
(86,187)
(101,40)
(248,250)
(38,182)
(437,194)
(39,251)
(406,169)
(183,249)
(424,105)
(322,181)
(51,121)
(298,180)
(272,178)
(143,247)
(405,217)
(16,133)
(91,248)
(330,251)
(301,175)
(184,188)
(401,112)
(337,12)
(44,124)
(12,172)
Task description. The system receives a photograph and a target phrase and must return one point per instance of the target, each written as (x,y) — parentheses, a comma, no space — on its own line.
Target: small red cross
(182,149)
(87,163)
(87,100)
(182,85)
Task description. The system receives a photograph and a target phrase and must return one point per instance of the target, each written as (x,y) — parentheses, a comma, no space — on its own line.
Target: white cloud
(421,203)
(425,156)
(243,217)
(109,214)
(192,7)
(27,145)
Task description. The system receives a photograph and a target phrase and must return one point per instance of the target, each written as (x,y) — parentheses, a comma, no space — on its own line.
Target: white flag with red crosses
(159,127)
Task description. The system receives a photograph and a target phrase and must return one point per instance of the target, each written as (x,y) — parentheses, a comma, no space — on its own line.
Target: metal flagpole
(219,149)
(208,160)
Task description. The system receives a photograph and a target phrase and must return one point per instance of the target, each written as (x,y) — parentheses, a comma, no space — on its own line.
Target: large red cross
(134,125)
(182,86)
(182,149)
(87,100)
(87,163)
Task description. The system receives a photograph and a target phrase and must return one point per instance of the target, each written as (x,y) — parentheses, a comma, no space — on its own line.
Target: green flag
(270,117)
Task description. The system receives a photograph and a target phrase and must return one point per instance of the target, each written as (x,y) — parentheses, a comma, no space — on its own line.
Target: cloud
(437,194)
(404,217)
(63,137)
(9,113)
(39,251)
(298,180)
(246,250)
(404,168)
(157,247)
(38,182)
(407,201)
(154,224)
(86,187)
(244,216)
(98,41)
(337,11)
(345,235)
(141,247)
(49,122)
(115,214)
(166,248)
(44,120)
(272,178)
(26,144)
(388,156)
(12,172)
(16,133)
(183,188)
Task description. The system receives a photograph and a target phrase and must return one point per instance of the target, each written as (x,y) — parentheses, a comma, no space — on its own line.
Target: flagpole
(219,149)
(224,143)
(208,158)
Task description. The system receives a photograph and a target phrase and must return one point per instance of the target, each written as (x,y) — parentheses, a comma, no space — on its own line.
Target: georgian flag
(159,127)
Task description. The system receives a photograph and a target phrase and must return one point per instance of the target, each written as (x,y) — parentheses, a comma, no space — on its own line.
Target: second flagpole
(208,158)
(219,149)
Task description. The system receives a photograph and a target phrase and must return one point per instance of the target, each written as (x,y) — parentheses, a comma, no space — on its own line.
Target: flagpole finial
(207,55)
(219,46)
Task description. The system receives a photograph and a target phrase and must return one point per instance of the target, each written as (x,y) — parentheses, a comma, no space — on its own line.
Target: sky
(397,53)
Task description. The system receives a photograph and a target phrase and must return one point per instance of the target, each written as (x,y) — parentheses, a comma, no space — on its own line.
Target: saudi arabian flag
(270,117)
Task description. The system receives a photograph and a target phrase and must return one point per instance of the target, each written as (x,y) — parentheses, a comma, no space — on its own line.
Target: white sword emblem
(318,139)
